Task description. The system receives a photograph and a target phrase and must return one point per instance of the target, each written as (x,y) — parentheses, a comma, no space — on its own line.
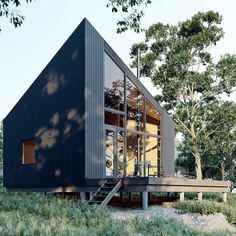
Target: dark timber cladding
(52,113)
(167,146)
(94,116)
(61,118)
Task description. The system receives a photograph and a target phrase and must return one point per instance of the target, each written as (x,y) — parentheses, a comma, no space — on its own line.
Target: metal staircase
(105,193)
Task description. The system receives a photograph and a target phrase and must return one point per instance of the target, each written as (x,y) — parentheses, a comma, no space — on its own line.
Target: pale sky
(25,51)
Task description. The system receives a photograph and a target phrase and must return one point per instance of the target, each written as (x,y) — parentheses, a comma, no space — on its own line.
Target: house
(87,122)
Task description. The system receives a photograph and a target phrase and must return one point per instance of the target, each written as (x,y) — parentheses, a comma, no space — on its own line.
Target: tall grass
(34,214)
(207,207)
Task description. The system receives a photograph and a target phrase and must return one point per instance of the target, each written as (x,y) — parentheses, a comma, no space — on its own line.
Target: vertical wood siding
(94,103)
(167,144)
(51,112)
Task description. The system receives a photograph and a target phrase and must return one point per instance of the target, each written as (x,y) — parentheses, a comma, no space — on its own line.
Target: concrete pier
(145,200)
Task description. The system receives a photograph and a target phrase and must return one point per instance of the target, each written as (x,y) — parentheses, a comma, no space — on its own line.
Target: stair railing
(112,192)
(96,192)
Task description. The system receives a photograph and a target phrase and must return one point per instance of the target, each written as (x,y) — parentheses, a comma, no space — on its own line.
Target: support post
(122,196)
(82,196)
(145,200)
(181,196)
(90,195)
(130,197)
(225,197)
(199,196)
(149,197)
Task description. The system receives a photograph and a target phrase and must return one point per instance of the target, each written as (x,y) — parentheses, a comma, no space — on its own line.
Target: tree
(8,10)
(130,9)
(132,15)
(221,156)
(219,159)
(178,60)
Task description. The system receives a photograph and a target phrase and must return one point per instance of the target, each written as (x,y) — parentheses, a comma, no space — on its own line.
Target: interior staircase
(105,193)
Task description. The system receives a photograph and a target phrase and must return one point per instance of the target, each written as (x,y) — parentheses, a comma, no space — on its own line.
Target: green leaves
(7,10)
(131,15)
(226,73)
(178,59)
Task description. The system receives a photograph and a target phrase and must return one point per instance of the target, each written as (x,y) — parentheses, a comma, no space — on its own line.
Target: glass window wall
(135,154)
(152,156)
(120,153)
(135,107)
(152,119)
(127,150)
(113,85)
(114,119)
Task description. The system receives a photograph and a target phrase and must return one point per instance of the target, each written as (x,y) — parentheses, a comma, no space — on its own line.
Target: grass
(34,214)
(212,204)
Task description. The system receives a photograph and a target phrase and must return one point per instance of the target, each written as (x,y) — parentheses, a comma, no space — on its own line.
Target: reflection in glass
(114,119)
(110,152)
(152,119)
(152,156)
(114,85)
(120,153)
(135,107)
(134,154)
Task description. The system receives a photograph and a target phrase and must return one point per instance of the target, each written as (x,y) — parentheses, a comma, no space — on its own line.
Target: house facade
(86,117)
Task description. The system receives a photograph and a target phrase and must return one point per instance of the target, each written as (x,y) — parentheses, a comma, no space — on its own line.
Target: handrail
(96,192)
(111,194)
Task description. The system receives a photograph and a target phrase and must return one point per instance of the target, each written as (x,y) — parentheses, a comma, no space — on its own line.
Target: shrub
(208,207)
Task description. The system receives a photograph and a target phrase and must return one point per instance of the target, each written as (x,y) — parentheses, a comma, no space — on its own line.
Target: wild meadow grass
(211,204)
(34,214)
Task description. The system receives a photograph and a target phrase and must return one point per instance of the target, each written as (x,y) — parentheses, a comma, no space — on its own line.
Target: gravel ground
(202,222)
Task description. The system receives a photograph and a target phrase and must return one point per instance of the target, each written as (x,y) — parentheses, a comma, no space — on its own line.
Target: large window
(135,154)
(135,107)
(133,127)
(152,156)
(152,119)
(120,153)
(28,156)
(114,85)
(109,152)
(114,151)
(114,119)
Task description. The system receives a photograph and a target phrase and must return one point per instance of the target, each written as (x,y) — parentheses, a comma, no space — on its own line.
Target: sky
(26,50)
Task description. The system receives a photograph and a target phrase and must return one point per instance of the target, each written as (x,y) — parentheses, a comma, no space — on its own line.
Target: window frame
(146,98)
(23,146)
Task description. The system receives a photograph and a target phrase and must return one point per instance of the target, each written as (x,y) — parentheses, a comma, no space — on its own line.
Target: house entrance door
(114,152)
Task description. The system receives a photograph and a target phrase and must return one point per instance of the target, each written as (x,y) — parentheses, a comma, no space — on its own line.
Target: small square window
(28,152)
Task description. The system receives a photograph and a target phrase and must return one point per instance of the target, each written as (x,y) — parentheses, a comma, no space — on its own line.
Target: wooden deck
(145,184)
(168,184)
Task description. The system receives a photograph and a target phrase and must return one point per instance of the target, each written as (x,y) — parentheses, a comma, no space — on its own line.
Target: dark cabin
(85,119)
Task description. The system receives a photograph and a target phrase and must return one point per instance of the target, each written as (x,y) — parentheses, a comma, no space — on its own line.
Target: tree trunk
(198,165)
(222,172)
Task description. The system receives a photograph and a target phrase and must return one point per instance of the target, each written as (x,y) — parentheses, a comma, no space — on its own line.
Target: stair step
(107,187)
(105,193)
(99,197)
(111,183)
(102,194)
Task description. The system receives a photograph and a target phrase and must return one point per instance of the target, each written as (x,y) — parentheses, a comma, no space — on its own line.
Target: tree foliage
(219,158)
(8,9)
(178,59)
(130,10)
(131,13)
